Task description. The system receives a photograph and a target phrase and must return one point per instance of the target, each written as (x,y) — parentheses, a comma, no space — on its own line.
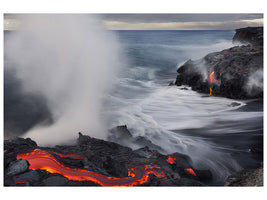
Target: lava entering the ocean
(212,80)
(191,171)
(42,160)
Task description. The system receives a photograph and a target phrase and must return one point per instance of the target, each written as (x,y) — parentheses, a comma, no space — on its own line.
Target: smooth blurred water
(213,132)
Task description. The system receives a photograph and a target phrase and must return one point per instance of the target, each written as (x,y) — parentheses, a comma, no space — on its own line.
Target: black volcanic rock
(252,35)
(55,181)
(19,145)
(122,136)
(246,178)
(15,146)
(30,176)
(102,157)
(238,71)
(17,167)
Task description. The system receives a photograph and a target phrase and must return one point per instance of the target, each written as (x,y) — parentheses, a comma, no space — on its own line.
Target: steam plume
(255,82)
(70,61)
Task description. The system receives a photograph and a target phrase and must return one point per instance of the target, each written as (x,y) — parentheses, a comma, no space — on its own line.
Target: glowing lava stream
(42,160)
(212,80)
(191,171)
(73,156)
(210,91)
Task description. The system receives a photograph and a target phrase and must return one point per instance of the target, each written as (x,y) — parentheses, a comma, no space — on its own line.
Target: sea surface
(220,134)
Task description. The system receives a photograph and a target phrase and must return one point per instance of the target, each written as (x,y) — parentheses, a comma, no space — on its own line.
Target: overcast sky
(167,21)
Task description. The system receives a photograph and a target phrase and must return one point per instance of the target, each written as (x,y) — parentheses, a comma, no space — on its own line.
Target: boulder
(17,167)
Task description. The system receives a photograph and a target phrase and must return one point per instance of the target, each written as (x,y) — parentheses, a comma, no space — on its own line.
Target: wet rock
(17,167)
(246,178)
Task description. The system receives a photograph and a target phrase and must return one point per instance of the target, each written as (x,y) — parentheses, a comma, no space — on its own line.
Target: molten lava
(191,171)
(226,50)
(171,160)
(210,91)
(212,77)
(42,160)
(212,80)
(20,182)
(73,156)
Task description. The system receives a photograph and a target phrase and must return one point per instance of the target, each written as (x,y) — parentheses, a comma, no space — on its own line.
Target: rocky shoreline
(100,162)
(107,161)
(235,73)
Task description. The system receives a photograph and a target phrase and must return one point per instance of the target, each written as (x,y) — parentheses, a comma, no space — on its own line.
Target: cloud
(166,21)
(163,18)
(202,25)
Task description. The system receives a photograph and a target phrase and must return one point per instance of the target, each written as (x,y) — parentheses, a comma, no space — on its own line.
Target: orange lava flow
(212,77)
(212,80)
(73,156)
(210,91)
(191,171)
(42,160)
(171,160)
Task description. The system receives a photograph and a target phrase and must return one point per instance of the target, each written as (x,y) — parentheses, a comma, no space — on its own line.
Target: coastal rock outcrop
(235,73)
(252,35)
(95,162)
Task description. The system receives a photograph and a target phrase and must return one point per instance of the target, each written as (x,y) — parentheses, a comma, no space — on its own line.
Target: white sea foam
(166,110)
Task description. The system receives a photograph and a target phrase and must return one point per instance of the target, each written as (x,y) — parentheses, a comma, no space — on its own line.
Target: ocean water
(215,134)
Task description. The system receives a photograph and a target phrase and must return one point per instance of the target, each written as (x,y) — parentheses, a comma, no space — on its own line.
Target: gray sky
(168,21)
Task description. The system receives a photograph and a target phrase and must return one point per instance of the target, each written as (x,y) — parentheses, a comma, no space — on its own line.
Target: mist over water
(70,62)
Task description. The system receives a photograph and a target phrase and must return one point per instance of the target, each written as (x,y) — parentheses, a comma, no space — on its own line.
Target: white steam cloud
(255,82)
(71,62)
